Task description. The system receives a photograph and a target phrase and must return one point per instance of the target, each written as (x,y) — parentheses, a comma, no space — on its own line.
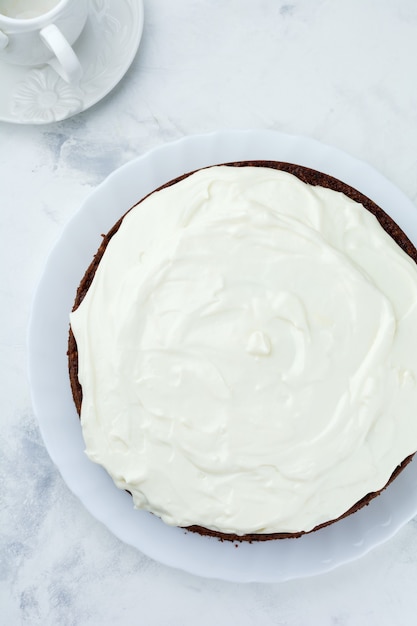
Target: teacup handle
(66,62)
(4,40)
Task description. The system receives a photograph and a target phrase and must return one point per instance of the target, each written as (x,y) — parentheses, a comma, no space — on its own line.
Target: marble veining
(342,73)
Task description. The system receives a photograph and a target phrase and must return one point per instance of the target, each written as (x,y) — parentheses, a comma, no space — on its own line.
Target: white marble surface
(341,72)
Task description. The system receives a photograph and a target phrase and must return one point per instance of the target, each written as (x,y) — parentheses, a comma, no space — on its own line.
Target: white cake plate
(48,333)
(105,48)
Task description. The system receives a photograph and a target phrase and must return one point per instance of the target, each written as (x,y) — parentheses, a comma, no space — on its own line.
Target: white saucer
(106,48)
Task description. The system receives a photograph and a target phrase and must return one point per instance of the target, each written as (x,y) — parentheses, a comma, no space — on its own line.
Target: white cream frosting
(248,353)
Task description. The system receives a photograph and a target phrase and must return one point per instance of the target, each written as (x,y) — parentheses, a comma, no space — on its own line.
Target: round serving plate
(271,561)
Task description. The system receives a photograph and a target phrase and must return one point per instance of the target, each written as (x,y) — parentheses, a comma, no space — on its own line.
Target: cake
(243,351)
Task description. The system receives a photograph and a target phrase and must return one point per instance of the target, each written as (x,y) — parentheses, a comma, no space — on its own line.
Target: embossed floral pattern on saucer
(106,48)
(45,96)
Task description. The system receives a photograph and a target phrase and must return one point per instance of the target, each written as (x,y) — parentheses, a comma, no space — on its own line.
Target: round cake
(243,351)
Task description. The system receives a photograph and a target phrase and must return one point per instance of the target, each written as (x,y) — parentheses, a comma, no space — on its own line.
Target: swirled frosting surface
(248,353)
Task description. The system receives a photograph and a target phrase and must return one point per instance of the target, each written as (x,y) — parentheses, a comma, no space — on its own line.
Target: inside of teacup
(26,9)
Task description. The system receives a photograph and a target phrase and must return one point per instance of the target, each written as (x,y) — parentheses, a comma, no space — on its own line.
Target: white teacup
(34,32)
